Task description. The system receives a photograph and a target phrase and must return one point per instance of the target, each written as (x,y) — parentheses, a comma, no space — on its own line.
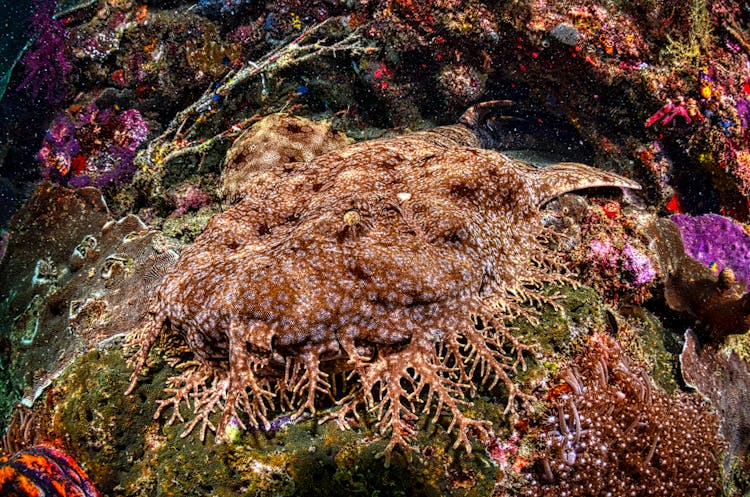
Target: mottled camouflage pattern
(399,258)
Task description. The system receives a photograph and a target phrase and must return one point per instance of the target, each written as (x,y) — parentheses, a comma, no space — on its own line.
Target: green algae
(573,313)
(185,228)
(737,477)
(739,344)
(127,453)
(580,311)
(9,391)
(105,429)
(26,326)
(649,342)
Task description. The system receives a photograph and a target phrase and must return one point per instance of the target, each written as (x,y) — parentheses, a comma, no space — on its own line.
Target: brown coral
(395,259)
(611,432)
(724,378)
(72,279)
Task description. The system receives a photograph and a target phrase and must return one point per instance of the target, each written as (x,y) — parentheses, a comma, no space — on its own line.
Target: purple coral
(191,198)
(129,130)
(59,146)
(97,146)
(132,129)
(603,253)
(605,256)
(743,111)
(713,239)
(638,265)
(45,65)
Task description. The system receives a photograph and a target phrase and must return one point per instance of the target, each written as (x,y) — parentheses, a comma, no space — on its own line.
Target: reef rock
(396,260)
(73,278)
(716,299)
(724,378)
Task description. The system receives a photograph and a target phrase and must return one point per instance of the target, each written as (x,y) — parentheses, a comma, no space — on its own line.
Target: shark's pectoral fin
(566,177)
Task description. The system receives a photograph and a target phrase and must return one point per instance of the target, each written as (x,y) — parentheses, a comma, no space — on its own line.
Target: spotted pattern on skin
(274,140)
(410,295)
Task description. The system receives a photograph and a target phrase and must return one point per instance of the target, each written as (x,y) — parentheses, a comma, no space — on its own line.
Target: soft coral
(45,66)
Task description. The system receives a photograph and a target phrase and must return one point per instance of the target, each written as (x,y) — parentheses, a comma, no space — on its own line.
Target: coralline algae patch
(717,242)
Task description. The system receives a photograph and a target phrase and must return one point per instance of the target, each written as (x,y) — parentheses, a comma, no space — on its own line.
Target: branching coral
(611,432)
(684,109)
(325,38)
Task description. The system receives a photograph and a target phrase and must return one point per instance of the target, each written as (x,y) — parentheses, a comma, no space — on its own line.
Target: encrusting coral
(718,300)
(396,260)
(715,240)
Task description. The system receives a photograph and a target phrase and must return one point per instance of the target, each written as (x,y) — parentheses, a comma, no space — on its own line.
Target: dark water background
(14,34)
(15,113)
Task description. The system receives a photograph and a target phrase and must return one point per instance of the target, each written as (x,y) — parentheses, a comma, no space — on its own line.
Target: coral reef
(44,470)
(604,242)
(86,410)
(211,57)
(190,198)
(143,99)
(461,85)
(723,377)
(609,431)
(391,228)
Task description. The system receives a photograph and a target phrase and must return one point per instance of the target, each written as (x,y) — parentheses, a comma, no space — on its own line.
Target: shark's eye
(352,217)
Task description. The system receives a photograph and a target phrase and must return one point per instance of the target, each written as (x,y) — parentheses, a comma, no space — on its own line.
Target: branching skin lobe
(380,256)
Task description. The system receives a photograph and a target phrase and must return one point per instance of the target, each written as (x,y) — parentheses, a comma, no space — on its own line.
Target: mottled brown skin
(275,139)
(380,255)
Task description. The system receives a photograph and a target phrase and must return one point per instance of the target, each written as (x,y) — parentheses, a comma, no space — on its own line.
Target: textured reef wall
(571,343)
